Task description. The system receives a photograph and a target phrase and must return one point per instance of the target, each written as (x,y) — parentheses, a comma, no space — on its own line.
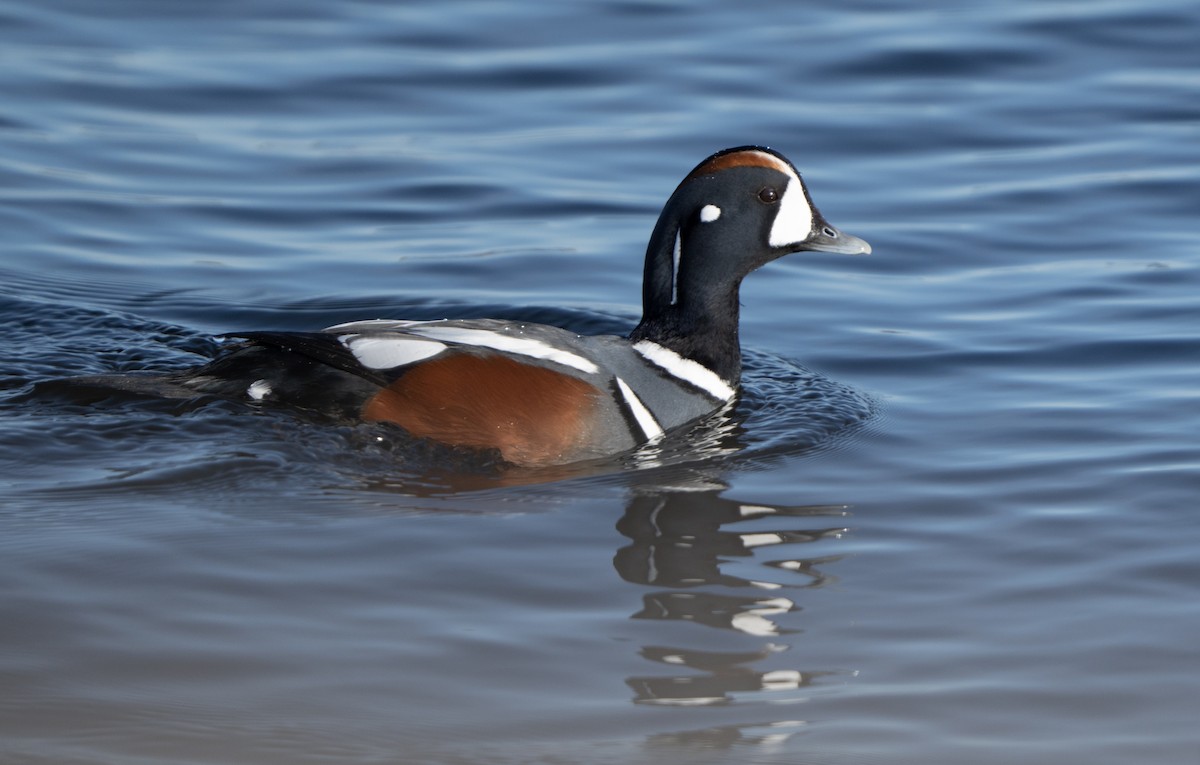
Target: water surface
(952,518)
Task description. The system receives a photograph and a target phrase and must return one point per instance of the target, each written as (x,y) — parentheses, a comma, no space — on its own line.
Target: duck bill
(827,238)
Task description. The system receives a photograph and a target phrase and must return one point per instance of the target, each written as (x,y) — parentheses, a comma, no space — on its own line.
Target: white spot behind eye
(709,213)
(793,219)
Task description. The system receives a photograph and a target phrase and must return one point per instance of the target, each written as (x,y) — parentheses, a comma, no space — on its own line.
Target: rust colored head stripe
(745,158)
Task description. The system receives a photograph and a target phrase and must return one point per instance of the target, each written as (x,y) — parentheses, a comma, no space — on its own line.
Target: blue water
(952,520)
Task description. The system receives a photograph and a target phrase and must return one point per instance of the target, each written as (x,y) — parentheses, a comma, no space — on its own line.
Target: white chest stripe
(685,369)
(650,427)
(390,352)
(522,346)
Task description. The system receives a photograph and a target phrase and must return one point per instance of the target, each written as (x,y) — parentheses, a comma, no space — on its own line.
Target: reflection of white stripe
(781,680)
(753,624)
(522,346)
(774,606)
(745,510)
(650,427)
(689,701)
(685,369)
(754,621)
(763,538)
(766,585)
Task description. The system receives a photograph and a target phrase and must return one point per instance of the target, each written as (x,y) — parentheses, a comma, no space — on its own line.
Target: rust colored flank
(531,414)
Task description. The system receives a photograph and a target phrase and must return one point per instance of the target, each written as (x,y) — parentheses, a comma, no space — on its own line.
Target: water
(952,519)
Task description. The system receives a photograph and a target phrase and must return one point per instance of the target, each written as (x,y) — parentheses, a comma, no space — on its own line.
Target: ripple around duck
(153,446)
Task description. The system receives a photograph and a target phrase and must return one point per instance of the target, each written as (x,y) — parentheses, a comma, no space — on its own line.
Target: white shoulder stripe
(389,352)
(687,370)
(650,427)
(522,346)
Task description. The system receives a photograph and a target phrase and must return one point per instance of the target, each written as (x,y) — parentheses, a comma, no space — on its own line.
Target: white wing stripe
(390,352)
(374,325)
(522,346)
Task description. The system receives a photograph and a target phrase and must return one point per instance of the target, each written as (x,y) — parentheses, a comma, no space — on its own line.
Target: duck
(536,395)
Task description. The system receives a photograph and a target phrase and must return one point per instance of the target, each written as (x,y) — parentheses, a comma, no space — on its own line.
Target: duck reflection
(726,675)
(679,540)
(747,615)
(686,542)
(769,735)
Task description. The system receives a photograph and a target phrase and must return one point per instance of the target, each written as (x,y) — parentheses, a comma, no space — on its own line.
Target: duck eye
(768,195)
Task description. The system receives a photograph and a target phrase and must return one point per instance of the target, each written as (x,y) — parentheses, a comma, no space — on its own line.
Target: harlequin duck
(536,394)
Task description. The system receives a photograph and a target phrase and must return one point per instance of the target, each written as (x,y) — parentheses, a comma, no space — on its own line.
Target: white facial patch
(793,218)
(375,352)
(521,346)
(687,370)
(709,213)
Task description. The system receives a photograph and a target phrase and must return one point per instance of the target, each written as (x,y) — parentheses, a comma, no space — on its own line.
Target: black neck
(702,327)
(694,312)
